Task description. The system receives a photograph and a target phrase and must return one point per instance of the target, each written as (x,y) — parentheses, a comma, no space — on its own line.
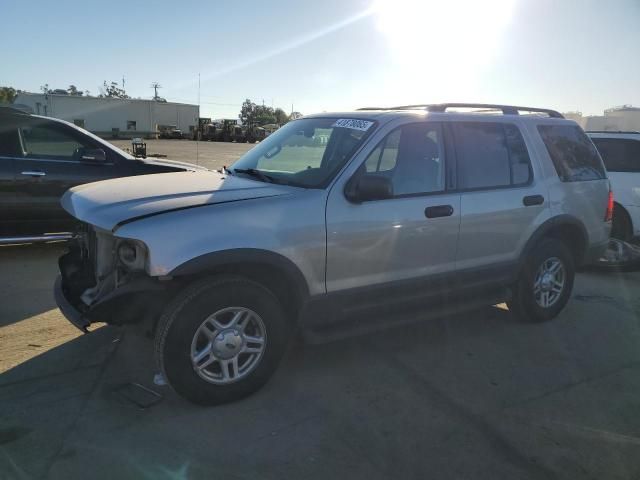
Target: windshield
(307,152)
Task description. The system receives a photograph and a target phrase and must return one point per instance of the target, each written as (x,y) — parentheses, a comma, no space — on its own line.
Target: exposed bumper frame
(68,310)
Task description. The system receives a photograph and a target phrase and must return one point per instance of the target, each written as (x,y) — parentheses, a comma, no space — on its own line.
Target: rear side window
(574,156)
(490,155)
(619,154)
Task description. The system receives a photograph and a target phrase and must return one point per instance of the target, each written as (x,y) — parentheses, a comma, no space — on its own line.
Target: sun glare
(445,37)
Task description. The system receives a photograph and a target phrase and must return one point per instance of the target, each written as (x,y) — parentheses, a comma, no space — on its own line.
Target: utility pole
(155,86)
(123,89)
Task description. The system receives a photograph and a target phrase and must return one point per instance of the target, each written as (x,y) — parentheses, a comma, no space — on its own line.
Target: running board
(58,237)
(363,325)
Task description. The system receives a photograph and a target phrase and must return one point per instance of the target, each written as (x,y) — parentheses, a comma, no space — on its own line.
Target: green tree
(73,90)
(7,94)
(247,112)
(264,115)
(281,116)
(113,91)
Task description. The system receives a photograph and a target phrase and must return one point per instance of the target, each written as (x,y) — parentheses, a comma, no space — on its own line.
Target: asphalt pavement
(475,396)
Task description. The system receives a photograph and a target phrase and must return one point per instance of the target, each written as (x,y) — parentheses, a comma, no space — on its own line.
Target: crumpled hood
(111,202)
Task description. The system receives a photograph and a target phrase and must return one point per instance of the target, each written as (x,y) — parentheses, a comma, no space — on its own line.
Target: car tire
(545,282)
(621,228)
(209,361)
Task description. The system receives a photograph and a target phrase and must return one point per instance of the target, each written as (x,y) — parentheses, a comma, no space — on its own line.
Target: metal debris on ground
(620,254)
(158,379)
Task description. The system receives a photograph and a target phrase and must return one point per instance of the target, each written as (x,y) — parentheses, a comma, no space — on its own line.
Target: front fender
(291,229)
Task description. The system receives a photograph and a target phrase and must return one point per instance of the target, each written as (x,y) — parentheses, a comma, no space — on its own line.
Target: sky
(331,55)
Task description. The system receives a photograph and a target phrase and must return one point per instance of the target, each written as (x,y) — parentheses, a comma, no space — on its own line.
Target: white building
(113,117)
(616,119)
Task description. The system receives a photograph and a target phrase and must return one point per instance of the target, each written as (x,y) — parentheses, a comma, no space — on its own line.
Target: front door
(49,166)
(402,246)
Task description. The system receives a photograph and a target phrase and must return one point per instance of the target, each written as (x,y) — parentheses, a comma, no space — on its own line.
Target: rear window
(574,156)
(619,154)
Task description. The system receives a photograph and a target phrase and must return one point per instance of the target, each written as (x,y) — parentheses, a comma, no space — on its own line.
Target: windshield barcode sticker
(353,123)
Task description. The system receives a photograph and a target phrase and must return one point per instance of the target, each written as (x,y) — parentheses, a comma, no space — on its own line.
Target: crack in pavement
(103,367)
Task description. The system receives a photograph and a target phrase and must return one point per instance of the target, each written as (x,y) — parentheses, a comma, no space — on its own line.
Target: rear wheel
(621,228)
(545,282)
(221,340)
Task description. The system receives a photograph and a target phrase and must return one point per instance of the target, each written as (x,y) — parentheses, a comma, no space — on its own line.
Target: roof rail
(613,131)
(442,107)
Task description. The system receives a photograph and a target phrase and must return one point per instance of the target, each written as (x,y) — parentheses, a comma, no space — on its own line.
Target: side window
(9,139)
(619,155)
(49,142)
(518,156)
(490,155)
(383,158)
(574,156)
(411,156)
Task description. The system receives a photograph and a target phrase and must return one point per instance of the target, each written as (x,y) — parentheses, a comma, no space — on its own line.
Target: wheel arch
(273,270)
(565,228)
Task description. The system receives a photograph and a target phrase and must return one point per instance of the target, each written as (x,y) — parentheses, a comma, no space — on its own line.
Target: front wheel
(221,340)
(545,282)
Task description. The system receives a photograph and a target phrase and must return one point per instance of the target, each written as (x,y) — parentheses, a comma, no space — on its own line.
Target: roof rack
(442,107)
(613,131)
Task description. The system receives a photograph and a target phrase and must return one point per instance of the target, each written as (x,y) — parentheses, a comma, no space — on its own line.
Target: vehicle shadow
(431,386)
(27,275)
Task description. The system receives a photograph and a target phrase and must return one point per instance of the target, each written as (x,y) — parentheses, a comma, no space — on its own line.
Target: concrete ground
(211,155)
(473,396)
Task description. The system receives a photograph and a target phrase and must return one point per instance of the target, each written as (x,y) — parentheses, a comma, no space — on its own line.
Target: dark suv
(41,158)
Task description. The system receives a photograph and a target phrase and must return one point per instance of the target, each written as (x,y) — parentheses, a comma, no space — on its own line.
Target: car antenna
(198,125)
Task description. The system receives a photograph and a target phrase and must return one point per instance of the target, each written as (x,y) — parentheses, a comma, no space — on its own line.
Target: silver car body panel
(108,203)
(291,225)
(585,201)
(335,244)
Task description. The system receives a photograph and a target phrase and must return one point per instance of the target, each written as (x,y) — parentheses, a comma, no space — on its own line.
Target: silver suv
(335,224)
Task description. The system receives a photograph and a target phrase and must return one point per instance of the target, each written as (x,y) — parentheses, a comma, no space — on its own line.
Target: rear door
(49,166)
(501,201)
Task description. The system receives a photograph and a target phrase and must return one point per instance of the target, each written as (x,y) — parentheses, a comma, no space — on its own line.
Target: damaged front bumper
(139,298)
(132,303)
(68,310)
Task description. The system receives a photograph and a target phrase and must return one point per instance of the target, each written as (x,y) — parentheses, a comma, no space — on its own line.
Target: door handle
(34,173)
(438,211)
(530,200)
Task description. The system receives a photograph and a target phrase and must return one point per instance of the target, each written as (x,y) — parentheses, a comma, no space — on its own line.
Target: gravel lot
(208,154)
(472,396)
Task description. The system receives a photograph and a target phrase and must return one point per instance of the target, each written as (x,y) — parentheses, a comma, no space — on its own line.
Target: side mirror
(366,187)
(92,155)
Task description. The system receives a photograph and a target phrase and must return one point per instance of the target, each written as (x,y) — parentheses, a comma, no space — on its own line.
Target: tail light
(609,215)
